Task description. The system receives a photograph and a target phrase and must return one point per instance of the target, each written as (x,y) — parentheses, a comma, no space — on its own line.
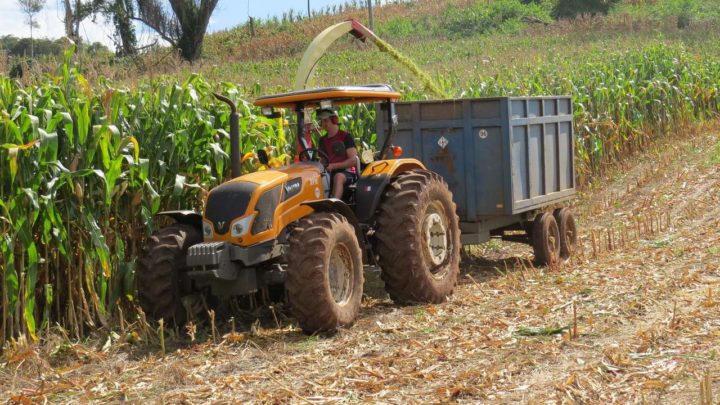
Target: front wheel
(160,277)
(325,276)
(418,238)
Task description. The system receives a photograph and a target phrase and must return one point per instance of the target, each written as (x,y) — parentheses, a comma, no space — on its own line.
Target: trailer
(507,160)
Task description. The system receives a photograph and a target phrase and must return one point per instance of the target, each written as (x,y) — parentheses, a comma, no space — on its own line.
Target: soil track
(633,318)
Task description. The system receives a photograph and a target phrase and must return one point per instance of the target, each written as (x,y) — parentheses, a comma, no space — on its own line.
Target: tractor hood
(228,201)
(245,206)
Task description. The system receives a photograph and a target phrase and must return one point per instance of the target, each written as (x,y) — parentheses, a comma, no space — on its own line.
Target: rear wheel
(546,239)
(568,233)
(418,238)
(160,273)
(325,277)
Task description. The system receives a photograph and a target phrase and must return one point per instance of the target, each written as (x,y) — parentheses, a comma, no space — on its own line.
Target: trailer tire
(546,239)
(160,273)
(568,233)
(325,279)
(418,238)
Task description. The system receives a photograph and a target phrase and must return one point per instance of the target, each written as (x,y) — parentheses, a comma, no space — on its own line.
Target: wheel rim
(435,235)
(553,244)
(340,274)
(570,236)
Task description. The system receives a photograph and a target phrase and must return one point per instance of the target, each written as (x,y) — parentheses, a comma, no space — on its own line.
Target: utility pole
(309,16)
(369,3)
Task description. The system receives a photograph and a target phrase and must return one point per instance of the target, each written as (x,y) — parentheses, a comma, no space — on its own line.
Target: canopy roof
(372,93)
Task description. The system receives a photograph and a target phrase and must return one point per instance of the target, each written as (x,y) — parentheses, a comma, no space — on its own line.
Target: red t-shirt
(336,147)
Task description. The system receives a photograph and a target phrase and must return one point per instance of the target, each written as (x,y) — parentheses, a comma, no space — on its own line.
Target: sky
(227,14)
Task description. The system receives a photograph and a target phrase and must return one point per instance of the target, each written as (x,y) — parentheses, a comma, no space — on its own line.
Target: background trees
(183,25)
(30,8)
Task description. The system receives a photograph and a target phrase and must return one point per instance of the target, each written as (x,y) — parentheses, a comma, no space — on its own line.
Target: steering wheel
(315,152)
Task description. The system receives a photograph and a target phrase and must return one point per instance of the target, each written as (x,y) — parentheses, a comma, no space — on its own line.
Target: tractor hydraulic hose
(234,136)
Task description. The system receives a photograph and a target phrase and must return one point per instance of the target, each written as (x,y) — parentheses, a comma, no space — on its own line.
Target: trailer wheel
(568,233)
(546,239)
(160,277)
(325,276)
(418,238)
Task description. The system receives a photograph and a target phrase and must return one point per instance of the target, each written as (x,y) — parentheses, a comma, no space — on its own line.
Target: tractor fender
(335,205)
(188,217)
(372,183)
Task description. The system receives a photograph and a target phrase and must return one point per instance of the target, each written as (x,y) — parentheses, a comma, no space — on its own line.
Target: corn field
(83,170)
(621,104)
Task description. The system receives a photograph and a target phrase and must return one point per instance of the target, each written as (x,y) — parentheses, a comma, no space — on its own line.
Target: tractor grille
(266,209)
(227,202)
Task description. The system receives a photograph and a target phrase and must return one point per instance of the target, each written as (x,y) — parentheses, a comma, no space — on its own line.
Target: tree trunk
(122,11)
(185,30)
(193,21)
(76,22)
(32,43)
(68,20)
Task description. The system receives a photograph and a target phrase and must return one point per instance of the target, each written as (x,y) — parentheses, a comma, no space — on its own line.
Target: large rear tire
(160,273)
(418,238)
(324,281)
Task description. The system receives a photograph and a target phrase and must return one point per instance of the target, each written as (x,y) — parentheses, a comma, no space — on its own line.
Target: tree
(185,28)
(30,8)
(75,12)
(121,13)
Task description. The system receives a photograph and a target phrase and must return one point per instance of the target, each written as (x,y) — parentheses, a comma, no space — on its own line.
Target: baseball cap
(326,113)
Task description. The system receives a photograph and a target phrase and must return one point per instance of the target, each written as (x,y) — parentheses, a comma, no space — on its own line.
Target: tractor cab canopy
(328,97)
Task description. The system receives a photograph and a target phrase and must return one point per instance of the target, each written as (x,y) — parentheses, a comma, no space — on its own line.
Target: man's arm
(347,163)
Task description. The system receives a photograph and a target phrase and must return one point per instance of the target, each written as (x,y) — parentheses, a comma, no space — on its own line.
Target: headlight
(207,230)
(241,226)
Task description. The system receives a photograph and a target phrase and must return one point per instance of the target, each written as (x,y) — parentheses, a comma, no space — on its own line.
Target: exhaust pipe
(234,136)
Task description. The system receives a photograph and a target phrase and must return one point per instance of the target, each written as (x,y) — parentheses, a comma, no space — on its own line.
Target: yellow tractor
(280,227)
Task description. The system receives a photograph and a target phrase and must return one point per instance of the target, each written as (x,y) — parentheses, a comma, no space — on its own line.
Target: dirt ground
(633,318)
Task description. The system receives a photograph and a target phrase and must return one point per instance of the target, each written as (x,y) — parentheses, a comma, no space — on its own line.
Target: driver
(339,146)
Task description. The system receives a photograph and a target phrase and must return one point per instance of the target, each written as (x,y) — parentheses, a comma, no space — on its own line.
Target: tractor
(279,227)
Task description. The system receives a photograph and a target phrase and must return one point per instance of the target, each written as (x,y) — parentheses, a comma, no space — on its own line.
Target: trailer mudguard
(372,183)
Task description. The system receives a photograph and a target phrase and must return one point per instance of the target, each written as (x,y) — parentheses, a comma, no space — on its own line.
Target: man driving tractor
(340,149)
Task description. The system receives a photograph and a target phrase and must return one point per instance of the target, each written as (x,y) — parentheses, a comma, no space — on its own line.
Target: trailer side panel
(499,156)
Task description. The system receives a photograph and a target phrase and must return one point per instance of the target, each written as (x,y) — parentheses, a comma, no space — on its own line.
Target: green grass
(540,331)
(715,154)
(308,343)
(685,12)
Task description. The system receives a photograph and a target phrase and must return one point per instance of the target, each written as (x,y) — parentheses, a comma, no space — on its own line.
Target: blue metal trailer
(507,160)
